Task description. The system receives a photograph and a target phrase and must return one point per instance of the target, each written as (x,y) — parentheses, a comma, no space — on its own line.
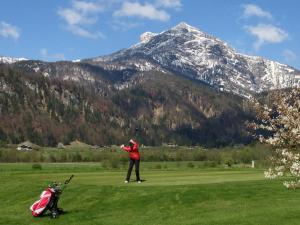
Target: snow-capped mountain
(153,85)
(187,51)
(182,50)
(10,60)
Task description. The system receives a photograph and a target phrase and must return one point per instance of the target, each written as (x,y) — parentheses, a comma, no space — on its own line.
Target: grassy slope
(191,196)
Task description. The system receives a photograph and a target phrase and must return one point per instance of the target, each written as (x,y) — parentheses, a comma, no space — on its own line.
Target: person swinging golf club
(134,155)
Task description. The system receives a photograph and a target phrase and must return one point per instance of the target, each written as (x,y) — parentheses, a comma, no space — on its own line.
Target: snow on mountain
(59,70)
(183,50)
(192,53)
(145,37)
(10,60)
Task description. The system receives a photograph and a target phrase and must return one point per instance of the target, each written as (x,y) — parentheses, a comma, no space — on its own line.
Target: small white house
(25,146)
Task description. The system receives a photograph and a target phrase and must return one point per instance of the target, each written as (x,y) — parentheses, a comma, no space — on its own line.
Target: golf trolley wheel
(54,214)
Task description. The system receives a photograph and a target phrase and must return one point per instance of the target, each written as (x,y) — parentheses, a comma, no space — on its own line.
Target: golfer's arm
(126,148)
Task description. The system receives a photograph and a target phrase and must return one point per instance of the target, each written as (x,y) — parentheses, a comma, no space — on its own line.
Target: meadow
(171,194)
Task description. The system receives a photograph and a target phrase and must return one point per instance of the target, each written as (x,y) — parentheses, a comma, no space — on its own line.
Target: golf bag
(49,199)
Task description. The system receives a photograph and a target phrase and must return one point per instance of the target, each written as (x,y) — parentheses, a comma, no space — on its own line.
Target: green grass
(168,196)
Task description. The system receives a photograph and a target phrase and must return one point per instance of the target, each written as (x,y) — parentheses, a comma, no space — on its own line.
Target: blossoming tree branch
(278,124)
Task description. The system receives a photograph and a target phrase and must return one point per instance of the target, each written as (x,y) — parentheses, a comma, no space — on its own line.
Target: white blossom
(281,119)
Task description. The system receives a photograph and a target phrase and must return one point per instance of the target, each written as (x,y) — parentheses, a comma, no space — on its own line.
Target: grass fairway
(184,196)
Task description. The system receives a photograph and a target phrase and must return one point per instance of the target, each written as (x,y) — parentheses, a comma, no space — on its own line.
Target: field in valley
(167,196)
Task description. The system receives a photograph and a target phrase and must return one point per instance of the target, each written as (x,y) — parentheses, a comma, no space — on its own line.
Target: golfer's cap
(131,141)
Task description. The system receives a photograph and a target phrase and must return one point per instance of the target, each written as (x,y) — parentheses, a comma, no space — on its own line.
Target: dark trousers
(137,169)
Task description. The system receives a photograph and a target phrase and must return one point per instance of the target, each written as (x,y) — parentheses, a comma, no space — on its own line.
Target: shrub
(36,166)
(190,165)
(158,166)
(229,162)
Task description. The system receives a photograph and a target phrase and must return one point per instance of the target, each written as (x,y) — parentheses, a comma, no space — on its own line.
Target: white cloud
(57,56)
(73,17)
(251,10)
(137,9)
(88,7)
(77,30)
(289,56)
(169,3)
(9,31)
(80,15)
(266,33)
(119,25)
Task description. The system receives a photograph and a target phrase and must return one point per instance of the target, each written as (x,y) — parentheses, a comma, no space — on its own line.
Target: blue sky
(73,29)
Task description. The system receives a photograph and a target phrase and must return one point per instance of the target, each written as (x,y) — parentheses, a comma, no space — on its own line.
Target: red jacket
(133,151)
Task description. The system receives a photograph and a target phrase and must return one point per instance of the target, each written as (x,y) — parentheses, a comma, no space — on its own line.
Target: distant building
(25,146)
(95,147)
(172,145)
(60,145)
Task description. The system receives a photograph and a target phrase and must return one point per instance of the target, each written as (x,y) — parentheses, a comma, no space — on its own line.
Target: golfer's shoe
(139,181)
(126,181)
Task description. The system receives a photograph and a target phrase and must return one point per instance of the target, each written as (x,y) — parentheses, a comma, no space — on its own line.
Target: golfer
(134,155)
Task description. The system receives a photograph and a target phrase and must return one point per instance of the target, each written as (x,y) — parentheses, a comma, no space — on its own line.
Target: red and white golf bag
(49,199)
(42,204)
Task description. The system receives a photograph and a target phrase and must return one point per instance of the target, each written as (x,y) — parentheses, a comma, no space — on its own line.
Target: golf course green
(171,196)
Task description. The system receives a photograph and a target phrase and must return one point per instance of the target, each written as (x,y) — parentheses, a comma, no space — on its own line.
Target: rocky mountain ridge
(187,51)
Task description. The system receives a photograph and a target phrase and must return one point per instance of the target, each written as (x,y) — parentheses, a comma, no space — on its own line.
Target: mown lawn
(168,196)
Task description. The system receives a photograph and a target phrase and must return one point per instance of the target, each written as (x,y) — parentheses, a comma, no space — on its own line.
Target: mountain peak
(188,51)
(184,25)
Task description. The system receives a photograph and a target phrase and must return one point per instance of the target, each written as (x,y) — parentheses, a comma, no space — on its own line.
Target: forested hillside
(167,109)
